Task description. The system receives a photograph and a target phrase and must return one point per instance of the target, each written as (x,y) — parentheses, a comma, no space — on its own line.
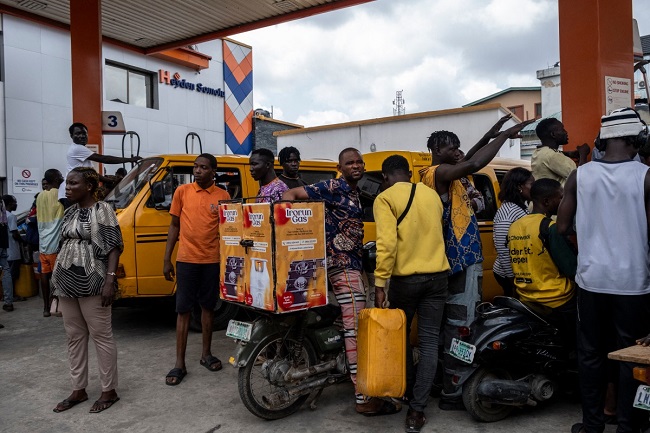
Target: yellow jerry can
(381,352)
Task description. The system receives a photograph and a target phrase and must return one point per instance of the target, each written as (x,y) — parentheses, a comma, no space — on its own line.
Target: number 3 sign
(112,123)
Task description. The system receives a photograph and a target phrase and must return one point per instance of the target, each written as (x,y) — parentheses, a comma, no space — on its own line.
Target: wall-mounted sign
(27,180)
(618,93)
(112,123)
(177,82)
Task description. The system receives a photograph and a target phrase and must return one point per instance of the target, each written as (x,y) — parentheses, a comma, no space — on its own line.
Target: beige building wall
(521,103)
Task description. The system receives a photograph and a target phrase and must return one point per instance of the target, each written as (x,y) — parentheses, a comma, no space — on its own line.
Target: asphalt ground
(34,376)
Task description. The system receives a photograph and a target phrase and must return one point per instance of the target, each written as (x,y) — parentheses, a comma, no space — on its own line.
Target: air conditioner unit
(641,84)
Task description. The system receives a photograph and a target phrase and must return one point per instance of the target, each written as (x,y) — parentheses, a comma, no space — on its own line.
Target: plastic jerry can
(381,352)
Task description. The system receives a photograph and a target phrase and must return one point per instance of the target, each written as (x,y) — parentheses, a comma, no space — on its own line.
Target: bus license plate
(463,351)
(642,399)
(239,330)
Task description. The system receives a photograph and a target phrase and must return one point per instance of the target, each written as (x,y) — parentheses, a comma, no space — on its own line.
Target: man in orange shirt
(195,222)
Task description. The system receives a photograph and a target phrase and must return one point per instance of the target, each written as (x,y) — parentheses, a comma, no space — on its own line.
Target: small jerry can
(381,352)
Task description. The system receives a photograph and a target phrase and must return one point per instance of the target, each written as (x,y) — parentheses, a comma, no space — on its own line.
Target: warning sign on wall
(618,93)
(27,180)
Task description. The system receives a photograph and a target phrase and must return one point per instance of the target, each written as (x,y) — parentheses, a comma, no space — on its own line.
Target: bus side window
(229,180)
(484,185)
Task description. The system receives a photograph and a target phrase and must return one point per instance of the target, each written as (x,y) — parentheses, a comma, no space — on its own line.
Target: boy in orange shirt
(195,223)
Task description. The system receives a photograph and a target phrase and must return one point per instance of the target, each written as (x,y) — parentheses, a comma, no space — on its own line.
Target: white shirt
(13,252)
(77,156)
(612,229)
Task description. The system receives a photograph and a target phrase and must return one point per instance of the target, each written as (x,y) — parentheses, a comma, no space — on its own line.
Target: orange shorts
(47,262)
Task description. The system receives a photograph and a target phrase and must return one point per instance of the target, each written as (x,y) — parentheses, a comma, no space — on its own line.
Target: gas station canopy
(151,26)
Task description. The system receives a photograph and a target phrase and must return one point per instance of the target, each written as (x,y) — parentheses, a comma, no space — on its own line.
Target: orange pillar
(595,42)
(86,50)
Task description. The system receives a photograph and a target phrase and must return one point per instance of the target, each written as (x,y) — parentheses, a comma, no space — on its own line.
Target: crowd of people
(429,255)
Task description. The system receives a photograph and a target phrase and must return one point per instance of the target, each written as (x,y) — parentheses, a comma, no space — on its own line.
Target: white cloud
(347,65)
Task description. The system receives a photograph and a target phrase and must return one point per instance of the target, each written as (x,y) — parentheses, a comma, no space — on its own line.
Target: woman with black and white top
(515,191)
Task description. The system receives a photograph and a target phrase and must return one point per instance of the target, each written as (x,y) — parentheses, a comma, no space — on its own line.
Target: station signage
(180,83)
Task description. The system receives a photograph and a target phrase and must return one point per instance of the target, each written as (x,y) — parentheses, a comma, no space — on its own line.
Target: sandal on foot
(377,406)
(102,405)
(175,373)
(212,363)
(67,404)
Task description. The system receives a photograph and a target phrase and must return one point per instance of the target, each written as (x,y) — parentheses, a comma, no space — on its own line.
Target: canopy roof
(151,26)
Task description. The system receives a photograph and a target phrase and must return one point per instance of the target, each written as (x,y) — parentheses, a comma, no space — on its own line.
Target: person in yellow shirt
(411,252)
(543,262)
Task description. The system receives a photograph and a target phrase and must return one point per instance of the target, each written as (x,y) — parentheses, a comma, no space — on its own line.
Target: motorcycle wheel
(480,410)
(254,387)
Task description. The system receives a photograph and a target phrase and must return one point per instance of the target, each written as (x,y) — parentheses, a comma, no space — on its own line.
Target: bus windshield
(125,191)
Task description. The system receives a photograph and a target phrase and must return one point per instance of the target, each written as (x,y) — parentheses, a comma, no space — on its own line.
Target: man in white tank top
(610,200)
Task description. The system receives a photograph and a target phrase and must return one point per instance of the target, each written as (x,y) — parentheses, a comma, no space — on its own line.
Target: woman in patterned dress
(84,281)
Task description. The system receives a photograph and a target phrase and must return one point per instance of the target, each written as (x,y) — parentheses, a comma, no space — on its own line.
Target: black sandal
(212,363)
(175,373)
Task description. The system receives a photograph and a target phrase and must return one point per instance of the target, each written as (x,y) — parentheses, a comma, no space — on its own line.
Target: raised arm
(482,157)
(567,210)
(489,135)
(109,159)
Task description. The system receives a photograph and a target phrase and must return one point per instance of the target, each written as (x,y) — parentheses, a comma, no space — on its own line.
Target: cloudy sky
(346,65)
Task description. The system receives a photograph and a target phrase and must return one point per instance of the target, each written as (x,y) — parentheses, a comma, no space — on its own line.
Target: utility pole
(398,104)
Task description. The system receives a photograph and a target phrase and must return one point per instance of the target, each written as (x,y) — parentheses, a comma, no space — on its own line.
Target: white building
(407,132)
(36,102)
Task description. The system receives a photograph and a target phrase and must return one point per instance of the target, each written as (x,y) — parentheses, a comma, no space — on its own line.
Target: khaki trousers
(83,317)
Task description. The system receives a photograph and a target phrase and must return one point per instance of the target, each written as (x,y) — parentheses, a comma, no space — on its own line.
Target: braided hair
(91,177)
(439,138)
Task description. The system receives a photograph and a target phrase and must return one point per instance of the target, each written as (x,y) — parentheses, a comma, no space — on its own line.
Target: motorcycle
(510,357)
(283,360)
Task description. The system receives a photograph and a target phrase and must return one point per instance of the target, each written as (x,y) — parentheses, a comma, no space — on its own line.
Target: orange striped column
(86,50)
(595,42)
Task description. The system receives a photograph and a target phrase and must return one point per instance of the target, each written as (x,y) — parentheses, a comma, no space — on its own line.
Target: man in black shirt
(289,158)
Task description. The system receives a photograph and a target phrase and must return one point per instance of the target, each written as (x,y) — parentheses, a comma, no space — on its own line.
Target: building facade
(160,99)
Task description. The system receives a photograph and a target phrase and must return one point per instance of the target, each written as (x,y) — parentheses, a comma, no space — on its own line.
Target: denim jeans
(425,295)
(7,283)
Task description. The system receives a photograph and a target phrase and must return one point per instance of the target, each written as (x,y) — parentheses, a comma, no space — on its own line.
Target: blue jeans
(7,282)
(425,295)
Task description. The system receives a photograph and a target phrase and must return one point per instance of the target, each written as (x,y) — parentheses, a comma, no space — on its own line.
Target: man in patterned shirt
(344,231)
(271,188)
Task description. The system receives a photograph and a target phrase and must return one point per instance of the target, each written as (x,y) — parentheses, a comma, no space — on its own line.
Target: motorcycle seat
(517,305)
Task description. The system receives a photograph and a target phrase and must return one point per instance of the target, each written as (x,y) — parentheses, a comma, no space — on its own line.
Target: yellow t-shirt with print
(536,277)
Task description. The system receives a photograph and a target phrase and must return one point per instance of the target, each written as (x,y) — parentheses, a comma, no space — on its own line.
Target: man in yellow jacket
(411,252)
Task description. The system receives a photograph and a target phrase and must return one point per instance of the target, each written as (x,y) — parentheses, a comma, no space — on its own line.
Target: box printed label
(259,260)
(300,241)
(232,269)
(295,236)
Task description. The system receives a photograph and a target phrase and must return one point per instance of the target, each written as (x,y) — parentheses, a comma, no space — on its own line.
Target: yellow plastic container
(26,285)
(381,352)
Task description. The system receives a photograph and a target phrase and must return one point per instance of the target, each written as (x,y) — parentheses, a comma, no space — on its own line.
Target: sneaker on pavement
(414,421)
(8,307)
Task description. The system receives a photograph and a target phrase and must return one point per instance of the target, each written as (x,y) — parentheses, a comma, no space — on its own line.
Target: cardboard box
(281,264)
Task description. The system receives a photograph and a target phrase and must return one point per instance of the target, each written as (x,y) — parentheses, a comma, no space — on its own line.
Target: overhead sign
(618,93)
(176,82)
(27,180)
(112,123)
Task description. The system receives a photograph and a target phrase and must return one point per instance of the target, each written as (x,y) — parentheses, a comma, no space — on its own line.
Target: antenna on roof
(399,109)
